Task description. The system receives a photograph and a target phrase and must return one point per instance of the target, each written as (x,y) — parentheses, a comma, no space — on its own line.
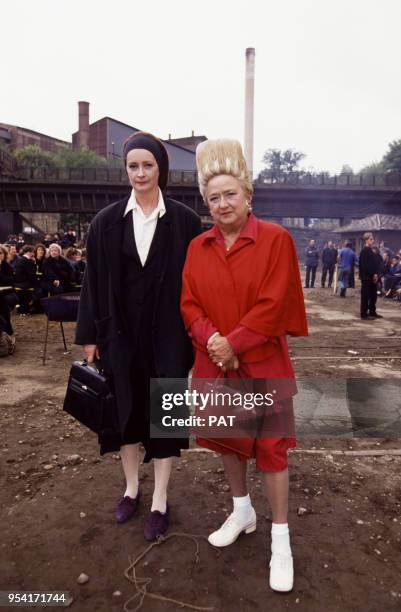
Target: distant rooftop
(187,142)
(372,223)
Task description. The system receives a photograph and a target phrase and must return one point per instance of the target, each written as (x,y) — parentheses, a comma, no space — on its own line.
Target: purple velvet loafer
(156,524)
(127,507)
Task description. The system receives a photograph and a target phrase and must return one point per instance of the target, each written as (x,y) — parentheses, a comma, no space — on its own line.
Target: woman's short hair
(28,248)
(222,156)
(71,252)
(57,246)
(4,250)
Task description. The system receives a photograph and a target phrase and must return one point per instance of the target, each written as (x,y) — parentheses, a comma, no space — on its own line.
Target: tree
(346,169)
(392,159)
(83,158)
(34,157)
(279,162)
(374,168)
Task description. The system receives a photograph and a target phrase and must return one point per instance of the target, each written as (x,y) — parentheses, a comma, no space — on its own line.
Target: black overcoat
(25,273)
(369,264)
(58,268)
(101,318)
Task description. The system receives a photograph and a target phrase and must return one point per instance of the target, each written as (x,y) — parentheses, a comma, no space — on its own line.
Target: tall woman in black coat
(129,314)
(7,300)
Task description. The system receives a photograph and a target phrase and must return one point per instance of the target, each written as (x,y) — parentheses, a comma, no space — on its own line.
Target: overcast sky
(328,79)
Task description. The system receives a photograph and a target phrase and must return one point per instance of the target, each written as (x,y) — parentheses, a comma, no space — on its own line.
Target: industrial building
(17,137)
(106,138)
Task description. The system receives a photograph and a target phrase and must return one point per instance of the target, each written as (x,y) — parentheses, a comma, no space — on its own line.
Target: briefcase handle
(95,365)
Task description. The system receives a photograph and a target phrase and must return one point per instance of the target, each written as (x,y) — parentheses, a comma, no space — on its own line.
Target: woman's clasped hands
(221,353)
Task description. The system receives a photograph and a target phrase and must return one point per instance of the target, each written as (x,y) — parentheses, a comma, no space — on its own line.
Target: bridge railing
(389,179)
(86,175)
(189,177)
(93,175)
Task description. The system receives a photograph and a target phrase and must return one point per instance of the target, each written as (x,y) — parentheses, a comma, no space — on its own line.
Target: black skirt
(138,426)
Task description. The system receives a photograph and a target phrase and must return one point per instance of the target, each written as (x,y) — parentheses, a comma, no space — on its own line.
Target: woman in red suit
(241,295)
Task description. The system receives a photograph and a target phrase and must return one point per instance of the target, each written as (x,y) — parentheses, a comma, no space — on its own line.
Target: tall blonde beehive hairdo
(222,156)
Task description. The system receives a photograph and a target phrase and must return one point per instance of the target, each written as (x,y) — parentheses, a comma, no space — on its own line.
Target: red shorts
(270,453)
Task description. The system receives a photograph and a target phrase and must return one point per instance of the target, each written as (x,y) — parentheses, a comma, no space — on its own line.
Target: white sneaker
(281,572)
(231,529)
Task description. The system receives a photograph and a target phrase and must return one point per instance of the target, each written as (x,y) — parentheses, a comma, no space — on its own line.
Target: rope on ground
(346,358)
(141,584)
(355,453)
(350,453)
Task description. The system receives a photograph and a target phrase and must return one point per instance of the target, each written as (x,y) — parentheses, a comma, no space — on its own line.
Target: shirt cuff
(243,339)
(201,330)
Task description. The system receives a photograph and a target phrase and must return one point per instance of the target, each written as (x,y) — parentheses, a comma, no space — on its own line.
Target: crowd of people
(66,239)
(379,270)
(31,272)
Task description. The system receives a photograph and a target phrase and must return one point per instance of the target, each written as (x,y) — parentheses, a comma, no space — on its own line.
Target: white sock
(281,539)
(132,489)
(243,508)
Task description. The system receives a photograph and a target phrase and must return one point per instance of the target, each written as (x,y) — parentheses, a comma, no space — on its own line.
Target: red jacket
(255,284)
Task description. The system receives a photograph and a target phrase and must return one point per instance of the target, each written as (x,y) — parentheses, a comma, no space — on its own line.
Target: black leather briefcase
(90,398)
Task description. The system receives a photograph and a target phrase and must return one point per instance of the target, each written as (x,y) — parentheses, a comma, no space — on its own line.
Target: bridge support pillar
(10,223)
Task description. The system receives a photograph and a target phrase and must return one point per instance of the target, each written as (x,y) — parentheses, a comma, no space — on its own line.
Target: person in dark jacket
(26,282)
(79,266)
(11,240)
(369,271)
(70,238)
(25,268)
(47,240)
(20,242)
(311,262)
(40,256)
(58,275)
(6,271)
(74,256)
(8,297)
(393,276)
(13,256)
(42,290)
(129,314)
(329,260)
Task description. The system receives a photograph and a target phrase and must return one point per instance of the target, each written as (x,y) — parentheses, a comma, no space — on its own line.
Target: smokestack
(83,129)
(249,106)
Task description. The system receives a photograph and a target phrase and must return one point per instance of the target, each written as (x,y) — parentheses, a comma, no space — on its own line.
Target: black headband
(158,151)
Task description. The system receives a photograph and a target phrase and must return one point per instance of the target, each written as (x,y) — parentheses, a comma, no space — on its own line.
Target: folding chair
(62,308)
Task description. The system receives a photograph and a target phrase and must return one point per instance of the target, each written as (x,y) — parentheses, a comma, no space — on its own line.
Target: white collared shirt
(144,227)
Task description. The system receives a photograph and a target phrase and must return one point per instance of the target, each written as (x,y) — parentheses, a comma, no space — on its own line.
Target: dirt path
(57,512)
